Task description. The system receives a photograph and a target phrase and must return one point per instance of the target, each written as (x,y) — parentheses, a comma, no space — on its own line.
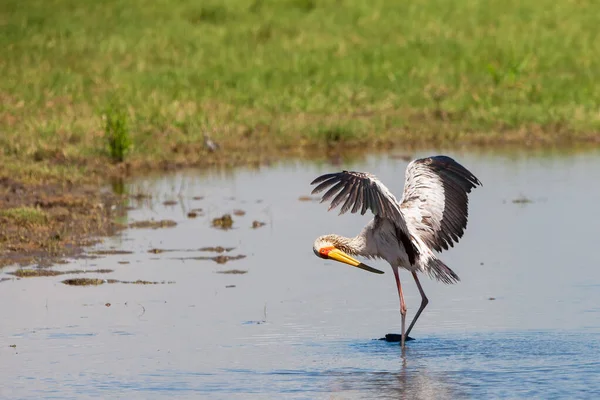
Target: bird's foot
(395,338)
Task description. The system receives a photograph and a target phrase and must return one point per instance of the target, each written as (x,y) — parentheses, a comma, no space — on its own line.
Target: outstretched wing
(359,191)
(362,191)
(435,201)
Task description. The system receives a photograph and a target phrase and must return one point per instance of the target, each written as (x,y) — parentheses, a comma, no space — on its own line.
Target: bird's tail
(440,271)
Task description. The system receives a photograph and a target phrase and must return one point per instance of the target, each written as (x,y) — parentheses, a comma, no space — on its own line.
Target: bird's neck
(353,246)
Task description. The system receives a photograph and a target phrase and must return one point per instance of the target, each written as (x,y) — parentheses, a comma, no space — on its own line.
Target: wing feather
(364,198)
(435,200)
(351,200)
(331,192)
(342,195)
(360,191)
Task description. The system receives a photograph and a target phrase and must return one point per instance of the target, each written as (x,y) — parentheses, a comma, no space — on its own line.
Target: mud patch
(218,249)
(239,213)
(308,198)
(158,251)
(37,272)
(84,282)
(233,272)
(141,196)
(97,282)
(44,223)
(522,200)
(152,224)
(225,222)
(110,252)
(220,259)
(141,282)
(257,224)
(28,273)
(195,212)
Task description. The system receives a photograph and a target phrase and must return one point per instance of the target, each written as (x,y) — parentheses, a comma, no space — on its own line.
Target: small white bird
(432,215)
(210,144)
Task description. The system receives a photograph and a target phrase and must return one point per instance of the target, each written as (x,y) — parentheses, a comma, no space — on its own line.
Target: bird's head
(328,248)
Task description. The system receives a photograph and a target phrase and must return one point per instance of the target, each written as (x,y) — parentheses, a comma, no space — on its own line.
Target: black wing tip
(322,178)
(450,164)
(331,182)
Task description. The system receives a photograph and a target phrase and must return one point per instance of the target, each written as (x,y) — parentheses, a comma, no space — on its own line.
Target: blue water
(533,364)
(493,365)
(524,322)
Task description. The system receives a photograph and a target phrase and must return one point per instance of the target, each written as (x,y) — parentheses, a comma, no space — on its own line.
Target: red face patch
(324,251)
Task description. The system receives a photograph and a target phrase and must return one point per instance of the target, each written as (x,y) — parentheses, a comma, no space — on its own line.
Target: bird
(430,217)
(210,144)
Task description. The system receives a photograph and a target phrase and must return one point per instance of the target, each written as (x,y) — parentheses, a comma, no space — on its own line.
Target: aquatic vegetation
(97,282)
(217,249)
(116,131)
(224,259)
(37,272)
(522,200)
(233,272)
(110,252)
(257,224)
(84,281)
(220,259)
(152,224)
(225,222)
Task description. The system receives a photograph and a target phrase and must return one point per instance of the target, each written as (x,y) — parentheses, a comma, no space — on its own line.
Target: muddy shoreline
(43,224)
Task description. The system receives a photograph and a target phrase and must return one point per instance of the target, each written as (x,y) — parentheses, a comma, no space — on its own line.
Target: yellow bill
(340,256)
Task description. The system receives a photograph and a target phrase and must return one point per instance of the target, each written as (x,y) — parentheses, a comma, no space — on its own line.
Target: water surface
(295,326)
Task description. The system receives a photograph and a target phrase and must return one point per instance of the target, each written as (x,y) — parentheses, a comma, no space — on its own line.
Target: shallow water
(295,326)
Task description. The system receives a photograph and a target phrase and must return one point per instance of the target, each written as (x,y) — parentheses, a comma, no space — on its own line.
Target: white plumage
(431,215)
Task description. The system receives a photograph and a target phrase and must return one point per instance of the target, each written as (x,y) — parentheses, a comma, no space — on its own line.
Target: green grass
(24,215)
(116,131)
(291,71)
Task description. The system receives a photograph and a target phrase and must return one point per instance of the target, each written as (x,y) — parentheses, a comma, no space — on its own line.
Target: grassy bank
(280,73)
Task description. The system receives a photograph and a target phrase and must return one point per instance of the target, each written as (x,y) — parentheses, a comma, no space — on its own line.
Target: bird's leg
(402,306)
(424,302)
